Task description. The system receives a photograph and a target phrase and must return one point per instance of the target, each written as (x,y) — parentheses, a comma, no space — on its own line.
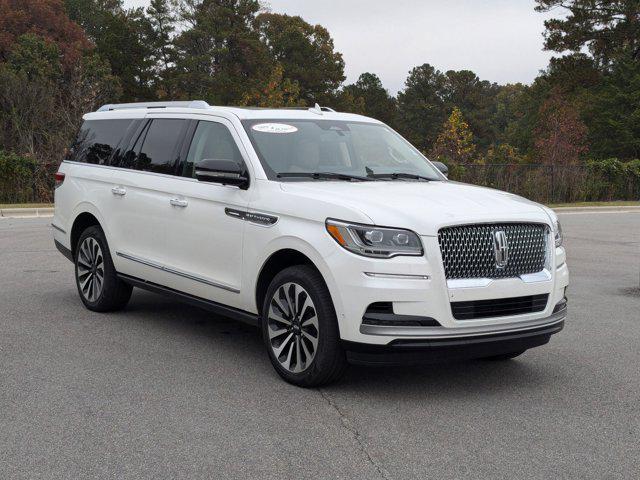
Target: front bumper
(452,347)
(417,287)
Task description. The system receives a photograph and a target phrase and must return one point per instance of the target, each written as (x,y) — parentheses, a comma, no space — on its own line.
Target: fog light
(561,305)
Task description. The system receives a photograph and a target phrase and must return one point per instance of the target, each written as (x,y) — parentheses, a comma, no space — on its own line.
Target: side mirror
(442,167)
(226,172)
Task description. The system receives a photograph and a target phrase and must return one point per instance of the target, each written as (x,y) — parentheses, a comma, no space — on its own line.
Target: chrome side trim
(179,273)
(143,261)
(58,228)
(206,173)
(256,218)
(399,276)
(462,332)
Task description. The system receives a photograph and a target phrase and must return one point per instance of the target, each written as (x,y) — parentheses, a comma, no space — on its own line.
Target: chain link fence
(18,179)
(552,183)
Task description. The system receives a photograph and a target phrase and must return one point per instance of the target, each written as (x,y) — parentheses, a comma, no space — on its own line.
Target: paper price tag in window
(279,128)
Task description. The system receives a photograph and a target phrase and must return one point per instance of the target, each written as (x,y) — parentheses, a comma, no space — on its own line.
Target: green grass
(617,203)
(26,205)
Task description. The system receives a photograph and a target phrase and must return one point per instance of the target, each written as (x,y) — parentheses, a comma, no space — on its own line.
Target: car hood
(423,207)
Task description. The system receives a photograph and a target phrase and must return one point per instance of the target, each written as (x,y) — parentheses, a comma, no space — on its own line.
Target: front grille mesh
(468,250)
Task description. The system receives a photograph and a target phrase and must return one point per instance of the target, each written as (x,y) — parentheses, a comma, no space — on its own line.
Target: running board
(218,308)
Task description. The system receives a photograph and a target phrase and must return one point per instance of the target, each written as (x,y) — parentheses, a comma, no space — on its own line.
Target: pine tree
(162,26)
(455,142)
(220,56)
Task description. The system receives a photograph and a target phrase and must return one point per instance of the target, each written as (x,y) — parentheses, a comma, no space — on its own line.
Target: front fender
(317,254)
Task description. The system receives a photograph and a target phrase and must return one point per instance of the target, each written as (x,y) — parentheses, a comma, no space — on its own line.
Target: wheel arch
(278,261)
(81,222)
(286,251)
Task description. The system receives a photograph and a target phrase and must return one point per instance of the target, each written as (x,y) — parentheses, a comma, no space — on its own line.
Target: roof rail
(123,106)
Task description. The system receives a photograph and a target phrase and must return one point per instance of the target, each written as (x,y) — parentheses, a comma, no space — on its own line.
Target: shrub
(612,179)
(597,180)
(17,178)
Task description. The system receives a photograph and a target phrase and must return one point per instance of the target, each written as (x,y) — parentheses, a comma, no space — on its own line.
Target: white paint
(203,242)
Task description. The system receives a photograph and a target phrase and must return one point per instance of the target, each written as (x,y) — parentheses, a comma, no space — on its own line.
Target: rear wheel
(300,328)
(99,287)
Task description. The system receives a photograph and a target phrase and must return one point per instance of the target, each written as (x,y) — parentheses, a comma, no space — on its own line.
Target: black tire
(329,361)
(504,356)
(114,293)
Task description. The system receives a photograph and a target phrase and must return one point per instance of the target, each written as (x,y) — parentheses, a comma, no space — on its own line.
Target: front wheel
(300,328)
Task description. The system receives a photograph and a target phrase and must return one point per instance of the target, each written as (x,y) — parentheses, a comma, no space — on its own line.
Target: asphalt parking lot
(164,390)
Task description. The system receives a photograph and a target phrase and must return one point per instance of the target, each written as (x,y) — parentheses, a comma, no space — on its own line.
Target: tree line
(62,58)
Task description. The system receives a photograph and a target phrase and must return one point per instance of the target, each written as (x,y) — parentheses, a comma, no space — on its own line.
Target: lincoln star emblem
(501,248)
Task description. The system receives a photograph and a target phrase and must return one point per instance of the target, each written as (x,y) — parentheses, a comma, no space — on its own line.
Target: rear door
(204,243)
(141,191)
(89,172)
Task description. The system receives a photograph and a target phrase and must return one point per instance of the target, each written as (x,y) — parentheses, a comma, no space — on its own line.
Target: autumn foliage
(46,19)
(62,58)
(455,142)
(561,136)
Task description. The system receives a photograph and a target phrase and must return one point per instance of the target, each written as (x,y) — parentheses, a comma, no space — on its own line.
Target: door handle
(120,191)
(177,202)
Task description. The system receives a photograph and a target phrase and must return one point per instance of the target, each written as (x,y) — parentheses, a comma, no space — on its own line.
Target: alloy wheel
(293,327)
(90,268)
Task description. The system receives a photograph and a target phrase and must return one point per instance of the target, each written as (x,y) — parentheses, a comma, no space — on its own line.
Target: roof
(243,113)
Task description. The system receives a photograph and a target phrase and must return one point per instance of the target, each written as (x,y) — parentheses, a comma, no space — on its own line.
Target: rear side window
(211,141)
(98,139)
(159,151)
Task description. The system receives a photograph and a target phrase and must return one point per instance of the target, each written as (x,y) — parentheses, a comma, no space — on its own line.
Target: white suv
(328,230)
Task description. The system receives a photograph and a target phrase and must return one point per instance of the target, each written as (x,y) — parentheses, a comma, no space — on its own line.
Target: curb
(619,209)
(26,212)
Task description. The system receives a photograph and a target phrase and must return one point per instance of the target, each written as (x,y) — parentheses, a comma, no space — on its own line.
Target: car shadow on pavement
(451,379)
(244,342)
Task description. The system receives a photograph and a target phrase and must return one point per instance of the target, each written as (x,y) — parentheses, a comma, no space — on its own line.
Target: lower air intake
(500,307)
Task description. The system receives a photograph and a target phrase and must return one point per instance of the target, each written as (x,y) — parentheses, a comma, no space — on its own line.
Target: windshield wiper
(398,175)
(323,175)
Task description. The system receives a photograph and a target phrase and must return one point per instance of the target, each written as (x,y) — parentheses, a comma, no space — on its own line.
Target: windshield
(289,149)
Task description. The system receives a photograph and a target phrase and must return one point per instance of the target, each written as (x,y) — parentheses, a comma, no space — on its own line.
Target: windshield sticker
(274,128)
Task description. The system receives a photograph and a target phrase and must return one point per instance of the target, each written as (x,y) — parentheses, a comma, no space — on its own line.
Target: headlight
(557,231)
(372,241)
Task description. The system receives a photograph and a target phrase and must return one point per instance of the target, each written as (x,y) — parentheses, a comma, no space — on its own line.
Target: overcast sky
(500,40)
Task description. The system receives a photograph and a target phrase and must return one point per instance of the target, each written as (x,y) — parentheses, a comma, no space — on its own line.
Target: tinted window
(159,149)
(127,158)
(98,139)
(211,140)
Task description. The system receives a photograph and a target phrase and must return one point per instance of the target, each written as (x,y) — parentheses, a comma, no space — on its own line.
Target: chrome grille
(468,250)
